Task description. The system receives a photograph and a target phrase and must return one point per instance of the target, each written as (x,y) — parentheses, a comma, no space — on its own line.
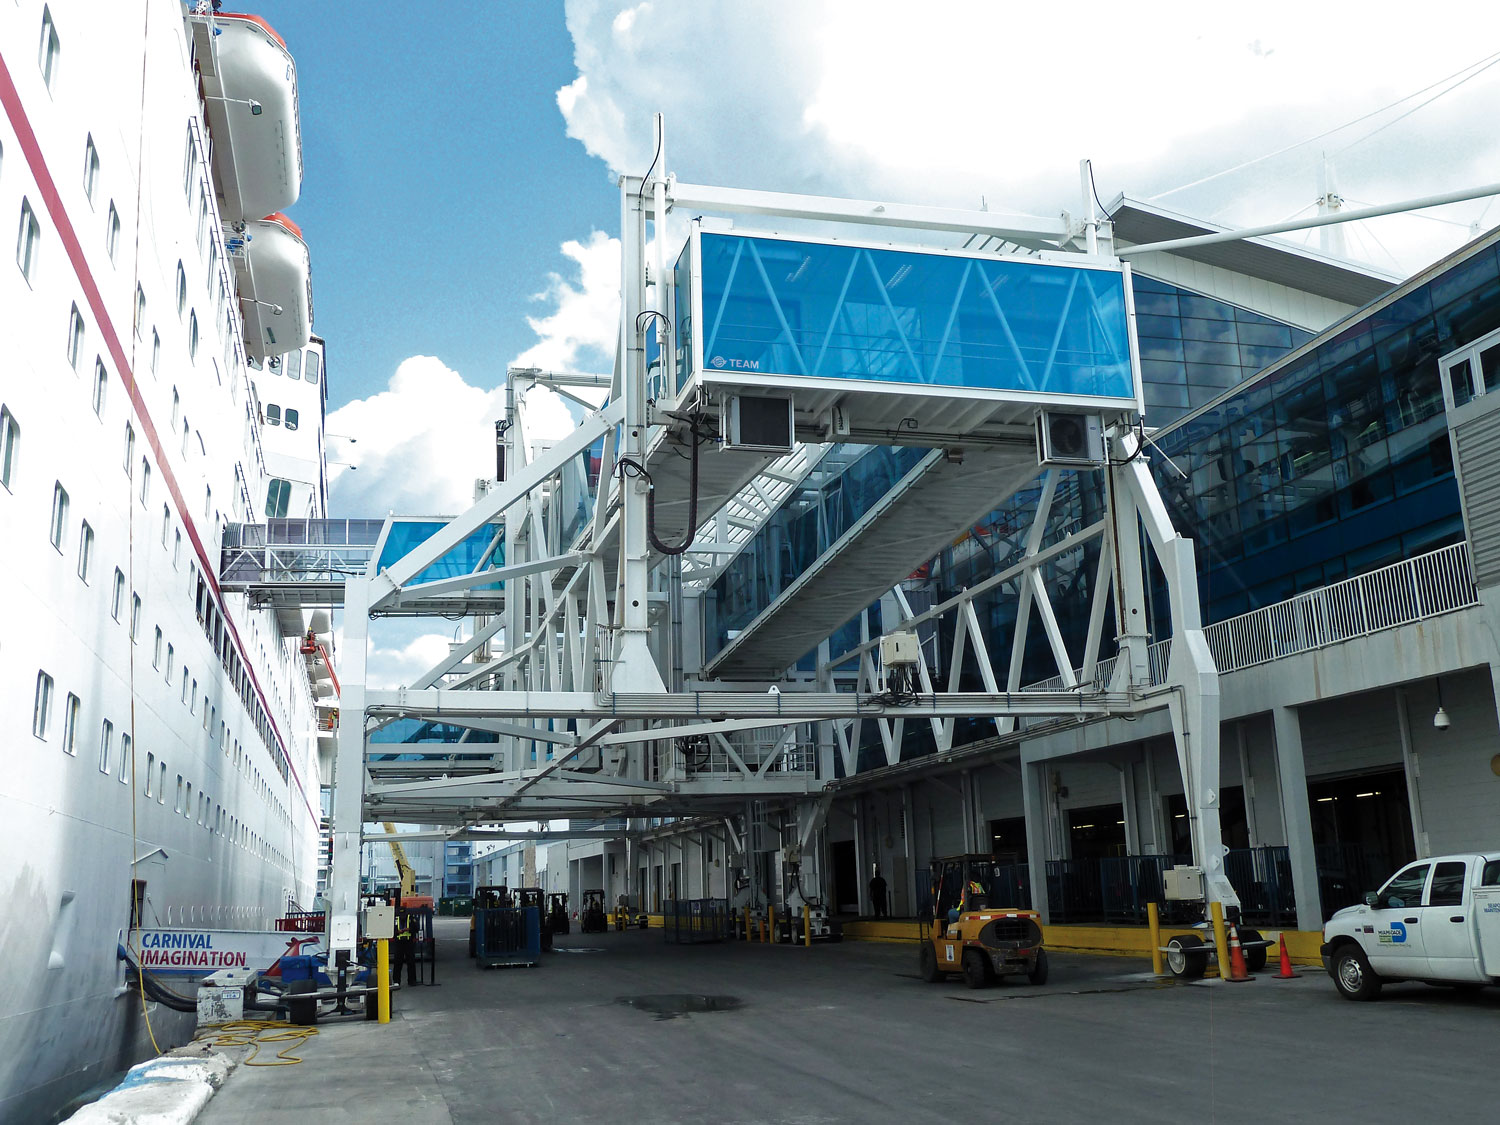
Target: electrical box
(897,649)
(1065,437)
(1183,884)
(759,423)
(379,923)
(221,996)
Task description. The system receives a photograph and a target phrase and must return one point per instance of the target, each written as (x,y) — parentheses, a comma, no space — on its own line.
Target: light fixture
(256,109)
(1440,720)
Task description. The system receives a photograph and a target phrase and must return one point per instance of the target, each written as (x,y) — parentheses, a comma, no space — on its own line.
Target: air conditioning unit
(1069,438)
(760,423)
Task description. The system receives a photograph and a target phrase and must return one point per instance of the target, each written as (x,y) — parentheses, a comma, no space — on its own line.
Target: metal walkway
(935,501)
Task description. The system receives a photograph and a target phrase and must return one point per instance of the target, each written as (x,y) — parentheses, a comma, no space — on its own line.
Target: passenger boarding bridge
(751,365)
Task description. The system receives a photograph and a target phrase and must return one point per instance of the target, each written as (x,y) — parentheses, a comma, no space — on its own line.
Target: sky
(460,196)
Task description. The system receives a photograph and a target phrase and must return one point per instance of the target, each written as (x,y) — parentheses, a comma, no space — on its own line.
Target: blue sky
(439,180)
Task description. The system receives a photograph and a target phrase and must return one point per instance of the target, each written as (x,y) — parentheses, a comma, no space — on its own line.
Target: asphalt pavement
(626,1028)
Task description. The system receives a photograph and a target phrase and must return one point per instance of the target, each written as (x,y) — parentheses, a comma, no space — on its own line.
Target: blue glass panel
(773,306)
(407,535)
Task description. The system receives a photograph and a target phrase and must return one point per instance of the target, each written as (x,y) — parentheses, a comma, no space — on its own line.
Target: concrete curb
(169,1090)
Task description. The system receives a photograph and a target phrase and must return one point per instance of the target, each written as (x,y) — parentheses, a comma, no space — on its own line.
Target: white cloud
(579,333)
(967,98)
(394,665)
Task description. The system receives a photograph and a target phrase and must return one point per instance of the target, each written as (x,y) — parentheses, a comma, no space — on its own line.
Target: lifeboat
(250,98)
(274,276)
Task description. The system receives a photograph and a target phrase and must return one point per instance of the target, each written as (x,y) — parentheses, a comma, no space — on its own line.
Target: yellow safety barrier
(383,981)
(1221,940)
(806,926)
(1153,920)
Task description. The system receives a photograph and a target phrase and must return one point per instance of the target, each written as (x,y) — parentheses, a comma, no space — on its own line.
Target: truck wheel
(1352,974)
(1255,959)
(927,964)
(976,970)
(1038,974)
(1186,957)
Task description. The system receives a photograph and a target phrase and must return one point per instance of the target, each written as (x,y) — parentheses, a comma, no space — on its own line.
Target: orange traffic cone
(1286,964)
(1237,970)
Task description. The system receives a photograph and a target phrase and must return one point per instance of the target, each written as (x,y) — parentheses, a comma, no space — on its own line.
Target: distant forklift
(558,913)
(966,934)
(592,921)
(486,898)
(626,915)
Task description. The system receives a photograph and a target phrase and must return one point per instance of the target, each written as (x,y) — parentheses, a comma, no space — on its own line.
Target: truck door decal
(1395,935)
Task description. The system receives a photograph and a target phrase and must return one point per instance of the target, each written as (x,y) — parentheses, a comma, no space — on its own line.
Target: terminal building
(1305,415)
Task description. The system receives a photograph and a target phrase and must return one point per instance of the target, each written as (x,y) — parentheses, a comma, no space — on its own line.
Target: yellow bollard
(383,981)
(1153,918)
(806,925)
(1221,942)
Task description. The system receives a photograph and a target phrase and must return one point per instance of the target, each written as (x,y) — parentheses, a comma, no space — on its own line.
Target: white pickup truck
(1435,920)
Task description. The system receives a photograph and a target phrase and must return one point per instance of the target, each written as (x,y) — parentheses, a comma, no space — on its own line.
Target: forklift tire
(303,1013)
(1255,959)
(927,964)
(976,969)
(1186,957)
(1038,974)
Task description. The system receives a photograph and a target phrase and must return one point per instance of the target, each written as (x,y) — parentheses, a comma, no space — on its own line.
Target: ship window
(129,447)
(50,49)
(59,514)
(117,598)
(176,549)
(106,744)
(273,414)
(189,163)
(28,241)
(41,713)
(75,337)
(213,267)
(291,365)
(90,167)
(161,788)
(278,498)
(101,384)
(176,407)
(193,699)
(291,418)
(186,429)
(187,802)
(135,616)
(202,216)
(140,311)
(155,350)
(125,759)
(10,442)
(181,288)
(184,684)
(313,368)
(145,481)
(112,231)
(70,724)
(193,334)
(171,654)
(177,804)
(166,523)
(150,769)
(85,551)
(156,650)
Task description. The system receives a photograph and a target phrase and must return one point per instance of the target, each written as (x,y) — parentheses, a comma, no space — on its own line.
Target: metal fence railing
(694,921)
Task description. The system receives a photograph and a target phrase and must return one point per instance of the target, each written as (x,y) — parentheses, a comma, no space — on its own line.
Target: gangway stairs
(937,500)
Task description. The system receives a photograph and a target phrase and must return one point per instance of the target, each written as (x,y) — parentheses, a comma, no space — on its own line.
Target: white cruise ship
(158,381)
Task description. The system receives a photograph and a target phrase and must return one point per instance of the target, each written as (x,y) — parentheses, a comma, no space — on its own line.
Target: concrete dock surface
(849,1033)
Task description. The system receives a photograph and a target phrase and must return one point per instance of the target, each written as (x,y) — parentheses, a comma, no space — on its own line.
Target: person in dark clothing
(877,893)
(406,948)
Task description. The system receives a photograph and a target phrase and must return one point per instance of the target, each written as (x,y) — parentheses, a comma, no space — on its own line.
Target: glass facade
(831,310)
(1194,348)
(407,535)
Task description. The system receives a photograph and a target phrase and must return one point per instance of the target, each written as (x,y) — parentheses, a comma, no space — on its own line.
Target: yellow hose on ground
(256,1034)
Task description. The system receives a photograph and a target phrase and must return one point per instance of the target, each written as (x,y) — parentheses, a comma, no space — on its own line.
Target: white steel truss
(566,697)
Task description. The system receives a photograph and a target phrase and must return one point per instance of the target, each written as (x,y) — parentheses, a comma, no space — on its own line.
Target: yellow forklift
(592,920)
(970,932)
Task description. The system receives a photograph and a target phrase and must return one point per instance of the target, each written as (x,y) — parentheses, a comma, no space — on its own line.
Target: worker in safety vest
(406,948)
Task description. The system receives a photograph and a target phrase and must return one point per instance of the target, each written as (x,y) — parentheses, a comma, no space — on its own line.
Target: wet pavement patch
(668,1006)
